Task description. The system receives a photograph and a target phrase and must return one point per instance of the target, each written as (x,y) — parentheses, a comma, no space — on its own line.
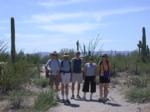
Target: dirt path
(117,103)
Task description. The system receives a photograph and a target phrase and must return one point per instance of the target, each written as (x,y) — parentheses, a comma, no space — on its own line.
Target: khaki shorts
(65,78)
(77,77)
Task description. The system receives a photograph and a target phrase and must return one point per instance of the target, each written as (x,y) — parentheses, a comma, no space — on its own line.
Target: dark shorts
(89,83)
(54,79)
(103,79)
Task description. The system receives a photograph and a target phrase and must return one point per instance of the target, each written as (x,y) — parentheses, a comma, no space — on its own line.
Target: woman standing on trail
(104,81)
(65,71)
(89,78)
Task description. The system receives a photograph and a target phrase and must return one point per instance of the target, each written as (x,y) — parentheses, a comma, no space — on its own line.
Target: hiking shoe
(78,96)
(68,101)
(105,100)
(63,101)
(72,97)
(100,99)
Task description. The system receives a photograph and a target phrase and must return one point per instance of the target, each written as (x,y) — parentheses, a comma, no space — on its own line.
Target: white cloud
(54,3)
(77,22)
(69,28)
(44,18)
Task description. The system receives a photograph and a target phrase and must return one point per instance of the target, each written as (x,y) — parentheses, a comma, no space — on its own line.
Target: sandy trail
(117,103)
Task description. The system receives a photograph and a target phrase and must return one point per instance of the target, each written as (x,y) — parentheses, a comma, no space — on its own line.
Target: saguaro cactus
(84,49)
(13,49)
(139,46)
(144,48)
(77,44)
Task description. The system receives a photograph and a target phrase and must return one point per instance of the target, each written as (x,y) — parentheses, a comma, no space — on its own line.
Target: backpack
(62,63)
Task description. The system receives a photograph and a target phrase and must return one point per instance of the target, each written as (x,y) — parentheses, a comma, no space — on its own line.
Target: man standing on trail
(89,78)
(65,71)
(77,75)
(53,65)
(104,72)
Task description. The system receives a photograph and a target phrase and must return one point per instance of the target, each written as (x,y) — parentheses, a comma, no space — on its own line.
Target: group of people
(75,71)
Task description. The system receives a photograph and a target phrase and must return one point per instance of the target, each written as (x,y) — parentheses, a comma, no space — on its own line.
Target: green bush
(139,95)
(44,101)
(41,82)
(15,75)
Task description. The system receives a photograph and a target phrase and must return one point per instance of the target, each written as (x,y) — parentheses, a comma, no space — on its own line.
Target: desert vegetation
(20,77)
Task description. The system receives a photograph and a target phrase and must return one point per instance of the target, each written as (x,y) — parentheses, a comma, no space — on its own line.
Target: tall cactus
(84,50)
(144,46)
(77,44)
(13,50)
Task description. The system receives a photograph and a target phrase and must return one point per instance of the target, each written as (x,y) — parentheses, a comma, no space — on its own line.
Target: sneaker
(72,97)
(63,101)
(105,100)
(68,102)
(78,96)
(100,99)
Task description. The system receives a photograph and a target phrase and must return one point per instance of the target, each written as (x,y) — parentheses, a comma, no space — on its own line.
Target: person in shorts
(53,65)
(77,75)
(65,71)
(90,69)
(104,72)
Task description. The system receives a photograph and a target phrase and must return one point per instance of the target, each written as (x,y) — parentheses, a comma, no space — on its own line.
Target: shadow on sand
(98,101)
(72,105)
(113,104)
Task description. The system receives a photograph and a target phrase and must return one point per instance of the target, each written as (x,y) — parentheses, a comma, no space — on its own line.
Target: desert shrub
(44,101)
(139,95)
(120,63)
(41,82)
(16,98)
(15,75)
(138,81)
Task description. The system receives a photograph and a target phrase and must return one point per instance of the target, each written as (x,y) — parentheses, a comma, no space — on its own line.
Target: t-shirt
(76,65)
(65,66)
(90,69)
(54,66)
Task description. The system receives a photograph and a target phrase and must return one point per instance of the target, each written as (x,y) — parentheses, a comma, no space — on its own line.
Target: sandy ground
(117,103)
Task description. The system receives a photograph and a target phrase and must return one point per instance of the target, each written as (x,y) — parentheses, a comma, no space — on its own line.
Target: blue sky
(47,25)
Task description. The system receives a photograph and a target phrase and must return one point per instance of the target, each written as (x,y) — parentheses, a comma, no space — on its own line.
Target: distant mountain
(43,54)
(112,53)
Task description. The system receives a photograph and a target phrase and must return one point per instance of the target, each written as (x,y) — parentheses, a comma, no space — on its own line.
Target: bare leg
(62,90)
(57,89)
(51,83)
(78,92)
(73,84)
(67,91)
(101,90)
(105,90)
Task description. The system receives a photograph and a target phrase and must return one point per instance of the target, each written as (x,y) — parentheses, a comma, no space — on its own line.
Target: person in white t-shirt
(89,78)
